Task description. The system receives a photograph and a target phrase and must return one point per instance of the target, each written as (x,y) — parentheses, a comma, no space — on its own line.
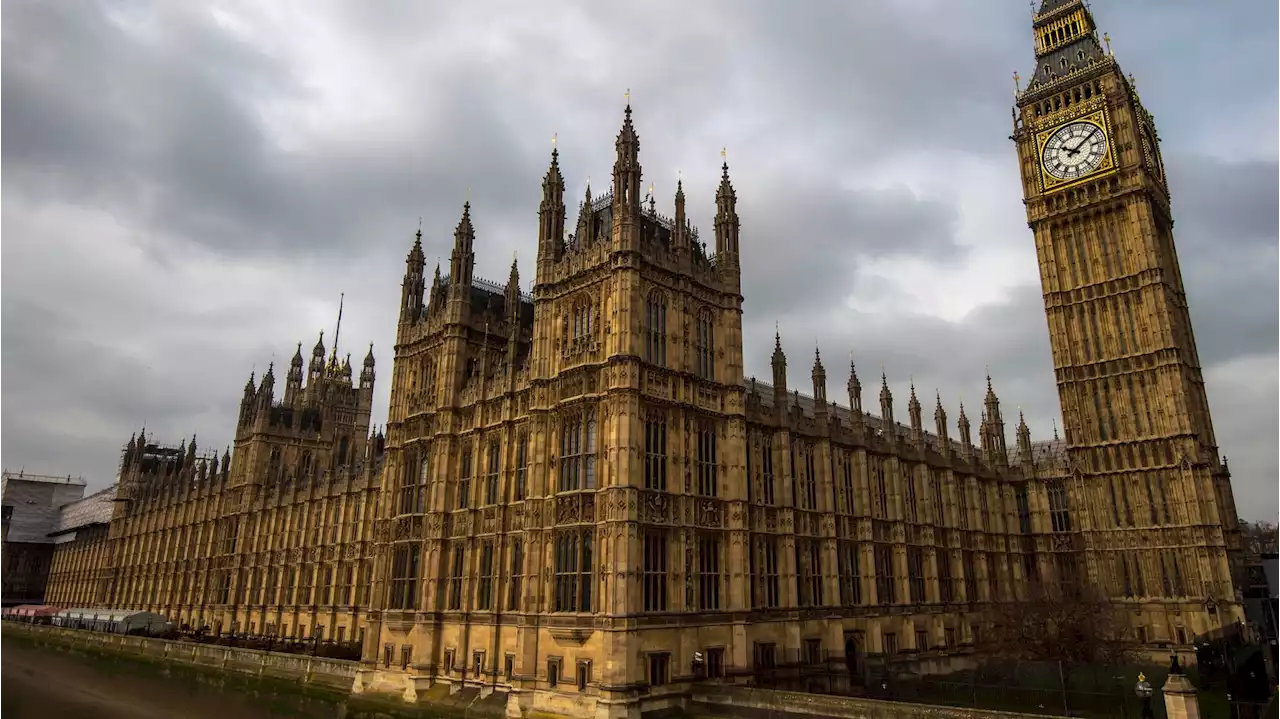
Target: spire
(366,372)
(726,223)
(779,363)
(966,437)
(855,390)
(1066,40)
(940,425)
(296,362)
(626,166)
(1024,439)
(551,212)
(462,261)
(886,405)
(913,412)
(819,383)
(338,330)
(412,287)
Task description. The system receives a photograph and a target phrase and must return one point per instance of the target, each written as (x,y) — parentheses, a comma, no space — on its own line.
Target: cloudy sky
(187,188)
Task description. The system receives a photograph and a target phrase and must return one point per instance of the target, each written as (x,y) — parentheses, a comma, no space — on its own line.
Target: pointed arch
(705,344)
(655,329)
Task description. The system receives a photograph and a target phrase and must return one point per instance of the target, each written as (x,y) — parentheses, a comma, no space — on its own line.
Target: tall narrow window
(578,451)
(915,574)
(847,493)
(705,460)
(767,548)
(655,330)
(946,583)
(939,505)
(655,571)
(708,572)
(886,582)
(970,576)
(413,489)
(704,346)
(573,562)
(464,477)
(1059,507)
(880,496)
(517,575)
(455,577)
(806,487)
(809,573)
(491,474)
(766,471)
(909,479)
(404,577)
(655,451)
(522,466)
(484,596)
(850,572)
(1023,505)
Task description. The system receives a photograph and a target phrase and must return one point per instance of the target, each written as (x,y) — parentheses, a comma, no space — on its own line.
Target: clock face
(1074,150)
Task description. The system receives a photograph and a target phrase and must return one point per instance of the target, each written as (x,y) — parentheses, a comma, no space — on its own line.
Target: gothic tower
(1137,421)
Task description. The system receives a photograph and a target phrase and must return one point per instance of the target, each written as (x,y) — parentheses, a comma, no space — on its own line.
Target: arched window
(655,330)
(578,451)
(705,346)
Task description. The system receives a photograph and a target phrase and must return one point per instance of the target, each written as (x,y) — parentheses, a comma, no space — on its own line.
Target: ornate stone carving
(709,513)
(655,508)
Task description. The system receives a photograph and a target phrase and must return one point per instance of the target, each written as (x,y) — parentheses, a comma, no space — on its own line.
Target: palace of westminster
(577,489)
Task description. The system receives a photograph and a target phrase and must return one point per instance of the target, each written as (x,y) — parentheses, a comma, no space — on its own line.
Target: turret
(819,389)
(966,438)
(246,401)
(779,376)
(727,224)
(855,395)
(366,373)
(1024,440)
(886,407)
(993,441)
(940,427)
(462,261)
(412,286)
(316,369)
(513,318)
(913,412)
(626,170)
(293,381)
(551,213)
(680,234)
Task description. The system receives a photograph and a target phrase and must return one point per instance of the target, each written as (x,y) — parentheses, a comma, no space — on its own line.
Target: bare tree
(1074,627)
(1259,537)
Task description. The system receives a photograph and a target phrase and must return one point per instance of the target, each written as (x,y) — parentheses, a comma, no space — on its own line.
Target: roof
(94,509)
(111,615)
(33,610)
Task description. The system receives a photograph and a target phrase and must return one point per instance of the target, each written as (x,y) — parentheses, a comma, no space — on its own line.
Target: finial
(1106,38)
(627,95)
(467,198)
(554,137)
(1017,82)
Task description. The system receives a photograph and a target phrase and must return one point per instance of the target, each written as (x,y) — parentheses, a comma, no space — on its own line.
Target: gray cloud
(185,196)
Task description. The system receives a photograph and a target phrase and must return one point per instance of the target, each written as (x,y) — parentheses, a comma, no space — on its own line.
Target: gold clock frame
(1049,183)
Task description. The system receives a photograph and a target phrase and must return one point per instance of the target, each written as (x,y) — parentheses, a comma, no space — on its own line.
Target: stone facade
(1157,523)
(78,576)
(271,540)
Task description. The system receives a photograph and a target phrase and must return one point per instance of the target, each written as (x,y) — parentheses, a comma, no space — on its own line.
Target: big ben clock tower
(1155,518)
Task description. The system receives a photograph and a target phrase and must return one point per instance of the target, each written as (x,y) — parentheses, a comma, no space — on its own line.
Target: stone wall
(337,673)
(751,703)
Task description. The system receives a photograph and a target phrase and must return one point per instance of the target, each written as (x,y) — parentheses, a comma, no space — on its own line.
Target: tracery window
(654,570)
(849,572)
(405,571)
(709,576)
(522,466)
(491,473)
(806,480)
(517,575)
(655,330)
(809,573)
(655,451)
(573,575)
(455,576)
(578,451)
(886,583)
(484,596)
(705,460)
(705,346)
(464,476)
(1059,507)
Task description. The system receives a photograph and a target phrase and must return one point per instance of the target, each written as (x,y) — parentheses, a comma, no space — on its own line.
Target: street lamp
(1144,691)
